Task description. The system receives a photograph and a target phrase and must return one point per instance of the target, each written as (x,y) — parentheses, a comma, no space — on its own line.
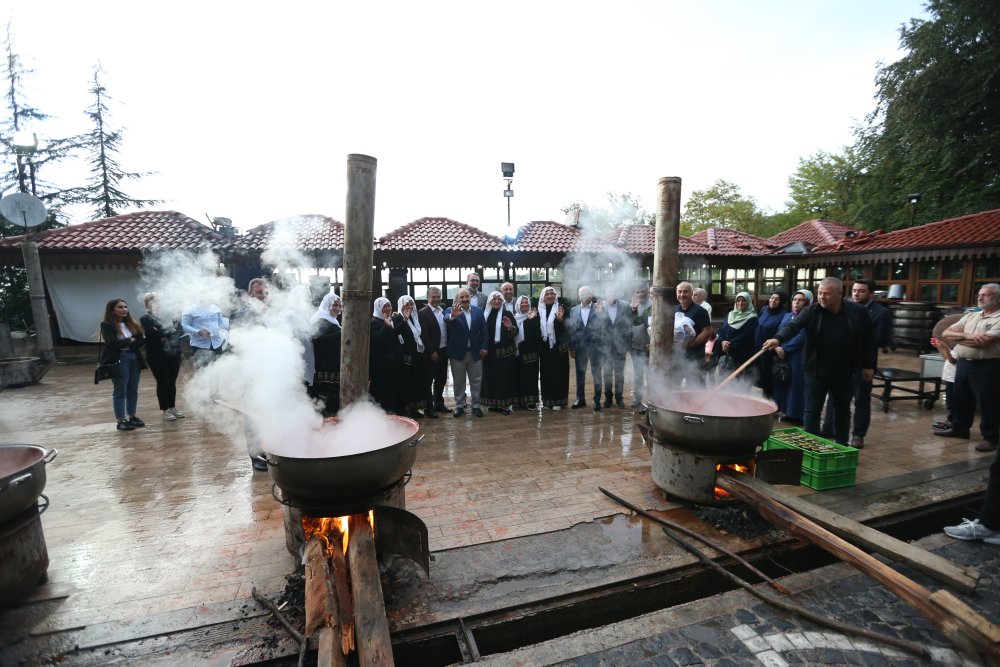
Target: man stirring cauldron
(839,340)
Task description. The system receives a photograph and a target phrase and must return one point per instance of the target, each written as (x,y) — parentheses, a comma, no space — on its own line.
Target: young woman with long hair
(122,337)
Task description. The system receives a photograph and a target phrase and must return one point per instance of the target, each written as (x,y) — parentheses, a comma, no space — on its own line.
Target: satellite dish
(23,209)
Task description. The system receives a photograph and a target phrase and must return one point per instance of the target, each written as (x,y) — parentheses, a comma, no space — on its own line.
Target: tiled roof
(813,232)
(305,232)
(976,229)
(641,240)
(722,241)
(132,231)
(546,236)
(439,234)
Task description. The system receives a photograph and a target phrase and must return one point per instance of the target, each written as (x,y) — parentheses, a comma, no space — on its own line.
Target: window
(938,282)
(772,281)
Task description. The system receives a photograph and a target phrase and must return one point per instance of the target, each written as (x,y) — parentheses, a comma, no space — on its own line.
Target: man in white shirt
(586,332)
(207,330)
(700,297)
(641,309)
(434,334)
(507,290)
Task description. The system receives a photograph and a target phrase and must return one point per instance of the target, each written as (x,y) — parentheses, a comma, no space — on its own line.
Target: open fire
(328,529)
(721,495)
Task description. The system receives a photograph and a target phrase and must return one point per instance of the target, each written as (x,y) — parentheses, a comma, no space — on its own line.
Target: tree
(101,146)
(933,130)
(621,209)
(723,205)
(825,185)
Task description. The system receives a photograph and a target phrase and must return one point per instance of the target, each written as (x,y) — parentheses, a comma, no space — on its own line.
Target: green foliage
(825,185)
(724,205)
(621,209)
(933,131)
(100,147)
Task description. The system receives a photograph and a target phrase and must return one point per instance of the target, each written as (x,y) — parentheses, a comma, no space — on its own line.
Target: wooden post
(36,292)
(345,604)
(371,625)
(321,605)
(665,268)
(359,227)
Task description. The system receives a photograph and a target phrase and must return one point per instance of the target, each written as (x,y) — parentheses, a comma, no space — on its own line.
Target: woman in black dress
(326,351)
(500,364)
(122,338)
(383,351)
(736,335)
(410,365)
(553,362)
(163,352)
(529,342)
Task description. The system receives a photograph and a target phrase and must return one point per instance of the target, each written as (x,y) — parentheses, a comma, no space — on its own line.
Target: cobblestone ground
(758,634)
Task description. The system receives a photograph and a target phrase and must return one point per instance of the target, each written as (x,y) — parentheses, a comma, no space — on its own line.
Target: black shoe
(941,426)
(620,404)
(597,406)
(430,414)
(416,415)
(459,412)
(505,412)
(476,412)
(136,422)
(952,433)
(258,463)
(607,402)
(125,425)
(529,406)
(637,403)
(578,404)
(441,407)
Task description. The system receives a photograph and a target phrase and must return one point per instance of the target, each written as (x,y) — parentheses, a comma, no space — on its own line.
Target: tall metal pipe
(666,265)
(359,230)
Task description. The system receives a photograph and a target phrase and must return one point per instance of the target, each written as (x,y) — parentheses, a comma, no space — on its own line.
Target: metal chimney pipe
(359,230)
(666,265)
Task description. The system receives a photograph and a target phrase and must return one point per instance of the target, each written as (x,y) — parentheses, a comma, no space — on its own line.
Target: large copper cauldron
(341,479)
(717,424)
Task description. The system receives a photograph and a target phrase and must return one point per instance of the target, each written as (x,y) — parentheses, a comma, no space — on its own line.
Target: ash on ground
(292,603)
(737,519)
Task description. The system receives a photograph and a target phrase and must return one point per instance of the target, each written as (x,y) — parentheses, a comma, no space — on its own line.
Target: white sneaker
(168,416)
(972,530)
(177,413)
(556,407)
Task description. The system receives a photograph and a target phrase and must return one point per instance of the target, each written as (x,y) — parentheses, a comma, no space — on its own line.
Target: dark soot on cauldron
(737,519)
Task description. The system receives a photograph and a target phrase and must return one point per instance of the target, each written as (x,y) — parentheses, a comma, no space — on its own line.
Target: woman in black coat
(122,338)
(326,353)
(736,335)
(383,352)
(410,365)
(768,322)
(529,343)
(163,352)
(500,364)
(553,357)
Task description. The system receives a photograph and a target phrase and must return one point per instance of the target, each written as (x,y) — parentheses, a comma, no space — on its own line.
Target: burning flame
(720,493)
(328,528)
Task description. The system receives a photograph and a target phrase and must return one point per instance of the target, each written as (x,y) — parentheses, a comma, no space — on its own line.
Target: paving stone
(682,655)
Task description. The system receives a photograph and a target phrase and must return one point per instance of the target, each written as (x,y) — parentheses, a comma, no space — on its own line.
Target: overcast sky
(249,111)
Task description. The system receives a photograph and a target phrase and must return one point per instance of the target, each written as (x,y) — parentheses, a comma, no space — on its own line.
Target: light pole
(25,145)
(913,198)
(507,169)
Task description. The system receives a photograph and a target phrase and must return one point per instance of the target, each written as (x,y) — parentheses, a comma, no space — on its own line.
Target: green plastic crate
(842,458)
(827,480)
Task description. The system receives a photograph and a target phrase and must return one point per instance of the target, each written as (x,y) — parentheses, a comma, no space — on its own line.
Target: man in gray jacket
(641,308)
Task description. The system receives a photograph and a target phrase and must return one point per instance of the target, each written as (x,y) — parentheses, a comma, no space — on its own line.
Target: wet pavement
(167,529)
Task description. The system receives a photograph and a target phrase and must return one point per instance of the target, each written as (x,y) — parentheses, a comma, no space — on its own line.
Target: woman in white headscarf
(553,357)
(411,365)
(326,350)
(383,351)
(529,342)
(500,365)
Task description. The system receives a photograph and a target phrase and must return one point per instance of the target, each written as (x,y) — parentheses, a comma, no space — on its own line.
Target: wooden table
(891,377)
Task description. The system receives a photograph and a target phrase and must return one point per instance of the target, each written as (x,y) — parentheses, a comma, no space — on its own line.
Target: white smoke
(182,279)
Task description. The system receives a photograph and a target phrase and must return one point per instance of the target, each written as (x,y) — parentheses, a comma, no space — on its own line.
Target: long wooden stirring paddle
(732,376)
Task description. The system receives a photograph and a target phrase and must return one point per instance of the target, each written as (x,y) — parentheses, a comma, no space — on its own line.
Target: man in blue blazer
(467,344)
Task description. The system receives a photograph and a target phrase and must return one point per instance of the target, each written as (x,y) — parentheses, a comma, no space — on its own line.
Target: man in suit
(434,334)
(466,349)
(473,284)
(617,343)
(587,323)
(641,308)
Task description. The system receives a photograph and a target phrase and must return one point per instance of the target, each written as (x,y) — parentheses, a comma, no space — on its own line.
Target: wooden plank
(371,625)
(317,571)
(328,653)
(962,579)
(963,629)
(344,604)
(948,601)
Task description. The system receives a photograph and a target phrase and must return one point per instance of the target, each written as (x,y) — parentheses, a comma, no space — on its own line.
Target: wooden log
(962,579)
(961,625)
(345,604)
(370,623)
(317,571)
(328,654)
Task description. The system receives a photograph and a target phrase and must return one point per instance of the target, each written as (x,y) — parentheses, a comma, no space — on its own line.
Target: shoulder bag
(105,371)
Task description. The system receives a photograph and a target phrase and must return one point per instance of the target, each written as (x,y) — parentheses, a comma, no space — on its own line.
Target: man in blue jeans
(839,341)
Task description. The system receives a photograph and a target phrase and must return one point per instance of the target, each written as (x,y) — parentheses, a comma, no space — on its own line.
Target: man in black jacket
(839,341)
(863,294)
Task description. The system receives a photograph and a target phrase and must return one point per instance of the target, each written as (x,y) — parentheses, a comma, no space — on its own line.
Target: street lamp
(25,145)
(507,169)
(912,199)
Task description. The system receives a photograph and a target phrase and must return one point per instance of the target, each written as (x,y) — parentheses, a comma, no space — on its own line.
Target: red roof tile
(722,241)
(976,229)
(439,234)
(132,231)
(813,232)
(641,240)
(546,236)
(305,232)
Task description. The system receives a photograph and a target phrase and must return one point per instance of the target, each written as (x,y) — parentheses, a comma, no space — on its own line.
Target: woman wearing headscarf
(791,396)
(529,341)
(122,338)
(412,366)
(326,350)
(500,364)
(768,322)
(383,351)
(553,357)
(736,335)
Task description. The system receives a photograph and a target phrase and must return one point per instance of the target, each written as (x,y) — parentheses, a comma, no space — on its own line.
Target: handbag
(781,372)
(105,371)
(726,363)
